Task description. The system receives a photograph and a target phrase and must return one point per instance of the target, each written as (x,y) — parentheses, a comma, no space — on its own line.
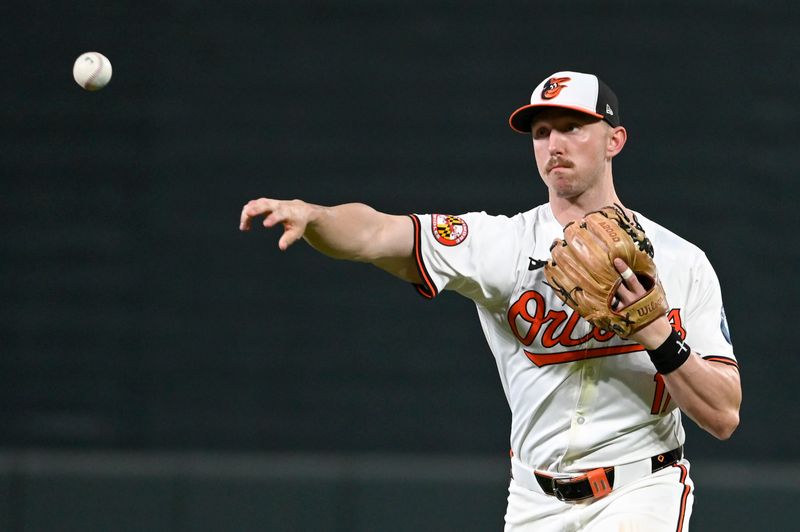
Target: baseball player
(596,433)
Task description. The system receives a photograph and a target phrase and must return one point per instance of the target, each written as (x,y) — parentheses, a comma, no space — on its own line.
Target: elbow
(725,425)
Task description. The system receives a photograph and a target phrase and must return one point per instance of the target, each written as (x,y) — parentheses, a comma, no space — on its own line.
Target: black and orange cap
(585,93)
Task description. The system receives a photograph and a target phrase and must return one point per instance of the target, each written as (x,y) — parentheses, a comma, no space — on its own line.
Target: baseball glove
(582,273)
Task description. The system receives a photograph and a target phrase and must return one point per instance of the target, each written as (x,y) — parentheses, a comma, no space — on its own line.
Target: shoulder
(667,242)
(511,224)
(481,230)
(677,258)
(530,216)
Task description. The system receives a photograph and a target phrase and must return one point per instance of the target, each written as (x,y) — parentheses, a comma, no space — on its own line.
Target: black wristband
(670,355)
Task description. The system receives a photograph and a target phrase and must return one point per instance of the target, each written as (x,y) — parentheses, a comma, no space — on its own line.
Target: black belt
(597,482)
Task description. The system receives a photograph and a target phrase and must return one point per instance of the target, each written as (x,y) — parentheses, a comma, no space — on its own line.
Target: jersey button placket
(589,380)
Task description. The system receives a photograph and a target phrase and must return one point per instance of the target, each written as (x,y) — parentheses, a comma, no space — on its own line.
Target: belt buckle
(557,492)
(556,483)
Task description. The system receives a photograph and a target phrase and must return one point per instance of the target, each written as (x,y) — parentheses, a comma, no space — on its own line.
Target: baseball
(92,71)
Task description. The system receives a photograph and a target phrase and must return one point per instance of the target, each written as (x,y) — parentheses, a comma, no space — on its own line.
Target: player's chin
(565,189)
(562,185)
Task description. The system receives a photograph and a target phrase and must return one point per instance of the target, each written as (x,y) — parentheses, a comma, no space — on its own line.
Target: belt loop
(599,483)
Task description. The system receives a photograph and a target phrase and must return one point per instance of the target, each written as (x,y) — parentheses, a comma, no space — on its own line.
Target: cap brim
(520,120)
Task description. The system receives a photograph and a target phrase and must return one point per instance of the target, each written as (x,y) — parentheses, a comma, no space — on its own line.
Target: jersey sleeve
(471,254)
(707,327)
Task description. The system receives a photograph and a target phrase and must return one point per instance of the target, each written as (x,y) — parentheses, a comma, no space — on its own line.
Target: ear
(616,140)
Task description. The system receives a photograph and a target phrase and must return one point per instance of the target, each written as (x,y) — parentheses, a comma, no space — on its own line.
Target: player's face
(571,150)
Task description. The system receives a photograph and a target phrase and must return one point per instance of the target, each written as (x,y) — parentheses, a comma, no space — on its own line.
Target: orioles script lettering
(529,319)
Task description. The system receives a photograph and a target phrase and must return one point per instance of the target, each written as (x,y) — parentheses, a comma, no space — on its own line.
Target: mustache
(558,161)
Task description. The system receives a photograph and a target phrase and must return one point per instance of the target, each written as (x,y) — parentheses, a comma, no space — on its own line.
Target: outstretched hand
(293,214)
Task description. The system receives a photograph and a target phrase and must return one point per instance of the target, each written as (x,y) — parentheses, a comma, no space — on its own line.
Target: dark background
(136,317)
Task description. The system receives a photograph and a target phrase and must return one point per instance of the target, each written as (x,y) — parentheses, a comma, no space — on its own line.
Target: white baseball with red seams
(92,71)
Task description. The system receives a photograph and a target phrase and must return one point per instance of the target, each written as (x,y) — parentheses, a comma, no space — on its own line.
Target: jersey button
(581,420)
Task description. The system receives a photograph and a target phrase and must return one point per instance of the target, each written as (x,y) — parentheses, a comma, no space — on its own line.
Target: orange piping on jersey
(426,289)
(722,360)
(548,359)
(686,490)
(423,291)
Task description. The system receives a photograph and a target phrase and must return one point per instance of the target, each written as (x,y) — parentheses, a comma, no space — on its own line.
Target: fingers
(289,237)
(254,208)
(278,215)
(275,212)
(630,289)
(621,267)
(244,220)
(628,277)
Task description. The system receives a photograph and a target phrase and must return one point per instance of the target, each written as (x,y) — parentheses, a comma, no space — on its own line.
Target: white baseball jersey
(580,397)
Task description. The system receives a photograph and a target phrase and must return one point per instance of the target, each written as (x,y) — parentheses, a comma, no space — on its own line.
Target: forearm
(357,232)
(708,392)
(352,231)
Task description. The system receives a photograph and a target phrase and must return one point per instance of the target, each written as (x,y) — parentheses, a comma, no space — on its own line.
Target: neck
(567,209)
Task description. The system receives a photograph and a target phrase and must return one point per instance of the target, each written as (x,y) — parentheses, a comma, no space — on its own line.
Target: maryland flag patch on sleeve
(448,230)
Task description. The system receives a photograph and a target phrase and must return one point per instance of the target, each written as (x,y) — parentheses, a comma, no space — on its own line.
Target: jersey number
(661,398)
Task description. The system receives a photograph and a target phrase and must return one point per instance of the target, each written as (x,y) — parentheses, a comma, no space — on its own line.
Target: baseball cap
(585,93)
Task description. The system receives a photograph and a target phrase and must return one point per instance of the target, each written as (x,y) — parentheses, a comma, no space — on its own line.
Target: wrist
(315,217)
(654,334)
(670,354)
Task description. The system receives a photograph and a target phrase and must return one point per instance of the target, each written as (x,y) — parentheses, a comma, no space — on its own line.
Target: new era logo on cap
(585,93)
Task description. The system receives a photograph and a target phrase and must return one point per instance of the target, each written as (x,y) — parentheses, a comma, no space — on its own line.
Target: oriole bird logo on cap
(553,87)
